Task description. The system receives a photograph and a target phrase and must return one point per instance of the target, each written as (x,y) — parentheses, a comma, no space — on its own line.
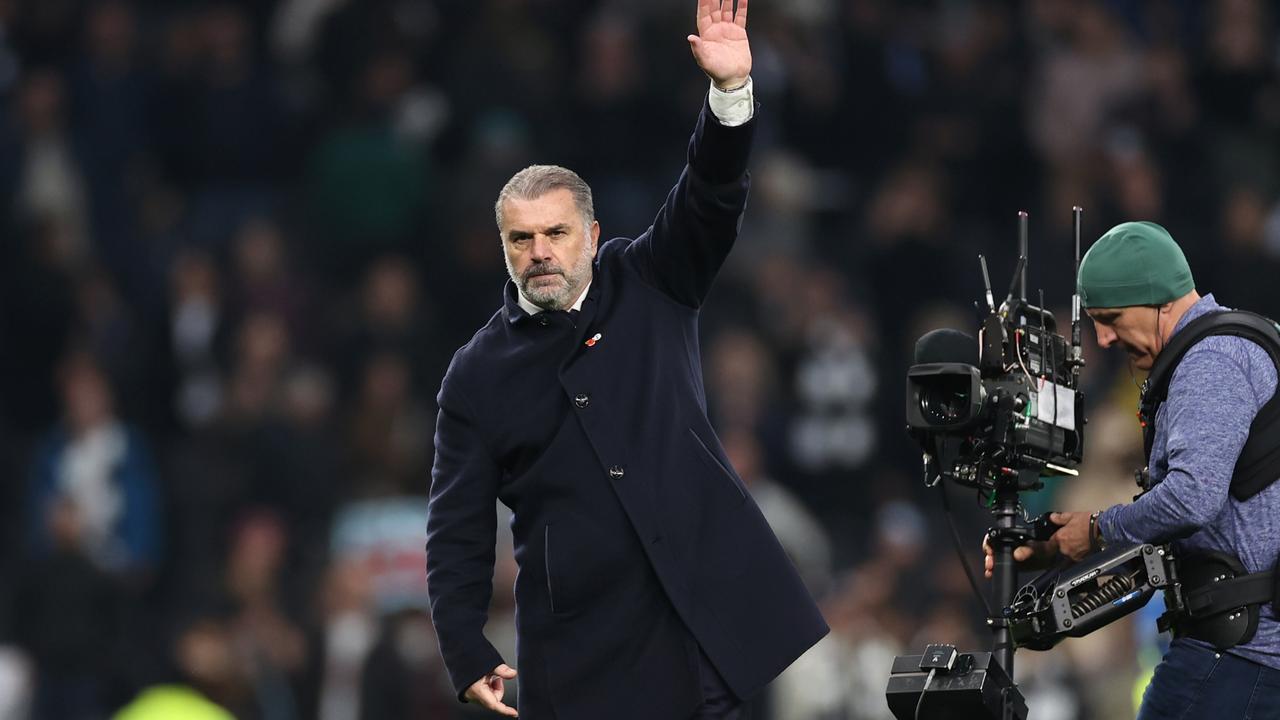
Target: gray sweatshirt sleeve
(1206,418)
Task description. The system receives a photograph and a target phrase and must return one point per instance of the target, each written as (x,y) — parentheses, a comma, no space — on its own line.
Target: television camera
(998,413)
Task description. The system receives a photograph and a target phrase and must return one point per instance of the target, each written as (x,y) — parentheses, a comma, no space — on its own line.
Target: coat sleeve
(461,526)
(694,230)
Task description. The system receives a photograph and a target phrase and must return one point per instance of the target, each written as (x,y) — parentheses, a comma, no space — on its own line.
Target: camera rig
(997,422)
(1073,600)
(1001,419)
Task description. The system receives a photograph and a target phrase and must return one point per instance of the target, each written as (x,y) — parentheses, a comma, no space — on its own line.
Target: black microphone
(946,346)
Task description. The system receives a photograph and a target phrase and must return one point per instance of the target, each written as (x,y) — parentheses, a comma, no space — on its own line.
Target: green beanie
(1134,263)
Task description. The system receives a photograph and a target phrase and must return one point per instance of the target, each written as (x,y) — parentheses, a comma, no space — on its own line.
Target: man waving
(650,586)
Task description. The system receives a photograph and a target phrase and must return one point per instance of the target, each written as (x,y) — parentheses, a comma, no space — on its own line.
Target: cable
(923,690)
(955,539)
(1017,352)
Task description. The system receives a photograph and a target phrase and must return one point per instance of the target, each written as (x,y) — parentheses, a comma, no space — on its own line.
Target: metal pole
(1022,253)
(1004,574)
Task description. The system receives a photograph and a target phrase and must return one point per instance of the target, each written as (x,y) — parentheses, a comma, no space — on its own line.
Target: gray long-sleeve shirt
(1214,395)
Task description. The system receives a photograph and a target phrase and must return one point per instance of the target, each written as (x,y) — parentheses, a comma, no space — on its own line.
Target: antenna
(1077,354)
(1019,272)
(986,283)
(991,338)
(1022,254)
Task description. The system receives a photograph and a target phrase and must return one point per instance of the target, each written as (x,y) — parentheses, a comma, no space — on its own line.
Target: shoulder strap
(1262,450)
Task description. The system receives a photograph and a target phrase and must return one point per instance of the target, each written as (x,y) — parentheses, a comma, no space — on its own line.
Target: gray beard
(552,298)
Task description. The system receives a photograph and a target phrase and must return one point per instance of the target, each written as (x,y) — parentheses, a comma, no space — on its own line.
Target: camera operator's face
(1136,330)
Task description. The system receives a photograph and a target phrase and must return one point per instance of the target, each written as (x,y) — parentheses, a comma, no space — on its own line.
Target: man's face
(548,248)
(1135,329)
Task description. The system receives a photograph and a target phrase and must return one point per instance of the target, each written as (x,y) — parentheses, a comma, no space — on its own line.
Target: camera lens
(945,400)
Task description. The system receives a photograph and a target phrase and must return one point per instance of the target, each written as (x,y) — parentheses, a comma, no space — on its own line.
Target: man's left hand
(1073,534)
(721,46)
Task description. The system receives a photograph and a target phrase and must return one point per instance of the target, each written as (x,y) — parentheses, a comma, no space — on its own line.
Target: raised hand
(721,46)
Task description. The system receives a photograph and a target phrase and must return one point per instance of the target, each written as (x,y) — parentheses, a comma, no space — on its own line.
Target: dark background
(239,243)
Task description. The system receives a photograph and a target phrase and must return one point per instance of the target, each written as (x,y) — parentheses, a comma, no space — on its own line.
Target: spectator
(103,470)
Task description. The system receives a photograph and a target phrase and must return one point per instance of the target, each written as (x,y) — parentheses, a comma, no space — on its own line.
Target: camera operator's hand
(1034,555)
(1073,535)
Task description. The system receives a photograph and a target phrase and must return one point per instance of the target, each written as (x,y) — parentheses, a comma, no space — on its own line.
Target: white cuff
(734,107)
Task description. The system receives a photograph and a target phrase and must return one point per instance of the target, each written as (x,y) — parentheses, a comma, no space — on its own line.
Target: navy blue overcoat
(637,543)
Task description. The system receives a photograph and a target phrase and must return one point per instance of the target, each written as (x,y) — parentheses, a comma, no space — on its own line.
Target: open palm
(721,46)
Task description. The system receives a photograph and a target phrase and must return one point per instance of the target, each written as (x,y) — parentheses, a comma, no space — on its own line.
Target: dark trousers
(718,701)
(1193,682)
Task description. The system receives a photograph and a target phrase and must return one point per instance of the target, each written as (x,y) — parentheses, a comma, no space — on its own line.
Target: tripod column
(1004,575)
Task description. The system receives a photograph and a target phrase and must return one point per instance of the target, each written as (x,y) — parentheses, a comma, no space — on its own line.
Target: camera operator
(1136,286)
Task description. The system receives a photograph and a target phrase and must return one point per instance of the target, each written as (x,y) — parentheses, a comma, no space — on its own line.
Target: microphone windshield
(946,346)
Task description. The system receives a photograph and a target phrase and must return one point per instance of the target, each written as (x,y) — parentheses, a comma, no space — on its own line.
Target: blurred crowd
(240,241)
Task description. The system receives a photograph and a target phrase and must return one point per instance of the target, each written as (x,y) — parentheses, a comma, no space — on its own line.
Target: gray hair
(537,180)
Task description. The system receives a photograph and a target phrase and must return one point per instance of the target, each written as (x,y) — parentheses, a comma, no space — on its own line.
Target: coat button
(543,320)
(616,472)
(582,400)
